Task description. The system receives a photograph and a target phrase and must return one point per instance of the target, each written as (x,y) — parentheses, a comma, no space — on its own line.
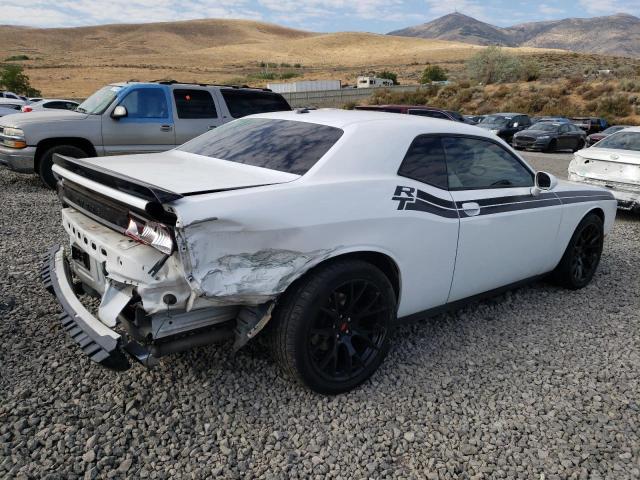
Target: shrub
(16,58)
(616,105)
(349,105)
(494,65)
(12,77)
(433,73)
(630,85)
(389,75)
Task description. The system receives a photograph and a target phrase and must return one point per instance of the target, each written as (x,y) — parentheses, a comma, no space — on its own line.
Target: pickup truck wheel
(46,162)
(332,331)
(582,256)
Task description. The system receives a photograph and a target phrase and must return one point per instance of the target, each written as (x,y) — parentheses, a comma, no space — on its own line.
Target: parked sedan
(596,137)
(50,104)
(550,137)
(419,110)
(613,163)
(505,125)
(325,226)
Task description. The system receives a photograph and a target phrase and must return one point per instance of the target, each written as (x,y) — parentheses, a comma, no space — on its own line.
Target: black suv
(505,125)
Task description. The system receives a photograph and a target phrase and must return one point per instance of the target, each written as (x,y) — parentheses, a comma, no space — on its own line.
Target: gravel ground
(537,383)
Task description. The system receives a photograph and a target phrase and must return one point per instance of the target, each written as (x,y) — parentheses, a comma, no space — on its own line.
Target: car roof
(505,114)
(631,129)
(424,107)
(344,118)
(187,84)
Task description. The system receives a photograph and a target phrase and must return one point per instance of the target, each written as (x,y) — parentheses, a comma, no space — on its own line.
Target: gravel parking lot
(538,383)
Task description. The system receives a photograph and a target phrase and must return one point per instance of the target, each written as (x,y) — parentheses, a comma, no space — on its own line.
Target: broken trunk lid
(183,173)
(610,155)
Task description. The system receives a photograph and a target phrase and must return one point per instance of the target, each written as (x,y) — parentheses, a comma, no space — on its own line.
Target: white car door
(429,234)
(506,233)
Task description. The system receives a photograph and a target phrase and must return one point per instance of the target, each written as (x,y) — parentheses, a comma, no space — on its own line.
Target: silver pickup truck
(125,118)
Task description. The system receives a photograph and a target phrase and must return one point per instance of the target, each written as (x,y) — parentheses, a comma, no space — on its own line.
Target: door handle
(166,128)
(471,208)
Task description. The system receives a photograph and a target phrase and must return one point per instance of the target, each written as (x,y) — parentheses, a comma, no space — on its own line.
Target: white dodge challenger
(324,228)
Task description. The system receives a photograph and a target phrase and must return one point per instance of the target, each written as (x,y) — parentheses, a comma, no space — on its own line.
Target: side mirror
(119,112)
(544,182)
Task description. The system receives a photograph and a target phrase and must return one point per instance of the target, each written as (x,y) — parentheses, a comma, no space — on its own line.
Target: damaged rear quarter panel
(247,246)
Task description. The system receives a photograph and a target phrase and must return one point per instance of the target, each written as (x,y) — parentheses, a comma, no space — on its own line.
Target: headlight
(544,137)
(13,137)
(153,234)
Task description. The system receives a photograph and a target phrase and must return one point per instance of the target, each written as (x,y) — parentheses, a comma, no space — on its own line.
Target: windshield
(545,127)
(495,120)
(99,101)
(283,145)
(622,141)
(611,130)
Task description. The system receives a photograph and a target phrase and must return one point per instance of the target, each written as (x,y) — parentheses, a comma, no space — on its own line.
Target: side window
(194,104)
(429,113)
(55,105)
(242,103)
(474,163)
(146,103)
(425,162)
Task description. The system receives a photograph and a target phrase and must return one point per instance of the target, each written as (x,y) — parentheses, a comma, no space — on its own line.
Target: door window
(425,162)
(474,163)
(242,103)
(194,104)
(146,103)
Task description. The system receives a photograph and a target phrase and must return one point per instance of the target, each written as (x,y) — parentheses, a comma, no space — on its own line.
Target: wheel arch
(47,143)
(382,260)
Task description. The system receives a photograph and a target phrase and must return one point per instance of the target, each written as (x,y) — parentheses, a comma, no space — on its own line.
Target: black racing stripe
(436,200)
(421,206)
(586,193)
(590,198)
(510,199)
(513,207)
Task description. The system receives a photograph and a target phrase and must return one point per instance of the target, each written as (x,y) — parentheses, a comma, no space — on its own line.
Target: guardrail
(338,98)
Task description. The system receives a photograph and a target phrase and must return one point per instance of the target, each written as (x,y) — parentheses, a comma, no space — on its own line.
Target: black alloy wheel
(586,253)
(582,256)
(348,331)
(331,329)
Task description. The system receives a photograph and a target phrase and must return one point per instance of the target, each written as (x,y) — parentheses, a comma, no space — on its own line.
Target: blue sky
(378,16)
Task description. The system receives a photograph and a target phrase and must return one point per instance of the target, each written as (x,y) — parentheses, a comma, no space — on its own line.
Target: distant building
(305,86)
(372,82)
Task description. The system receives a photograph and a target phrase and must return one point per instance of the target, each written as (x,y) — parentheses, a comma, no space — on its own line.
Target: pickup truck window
(194,104)
(146,103)
(283,145)
(98,102)
(242,103)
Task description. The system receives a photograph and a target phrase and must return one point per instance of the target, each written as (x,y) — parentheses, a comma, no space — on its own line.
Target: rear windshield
(622,141)
(283,145)
(545,127)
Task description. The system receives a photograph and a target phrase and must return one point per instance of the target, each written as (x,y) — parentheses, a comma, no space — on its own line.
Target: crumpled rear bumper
(102,344)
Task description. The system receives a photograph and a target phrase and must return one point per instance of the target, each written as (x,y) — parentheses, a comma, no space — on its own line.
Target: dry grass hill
(74,62)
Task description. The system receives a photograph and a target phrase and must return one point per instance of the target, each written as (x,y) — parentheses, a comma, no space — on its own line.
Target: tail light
(26,108)
(153,234)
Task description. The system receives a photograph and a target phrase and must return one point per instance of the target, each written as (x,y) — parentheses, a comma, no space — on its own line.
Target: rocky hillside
(612,35)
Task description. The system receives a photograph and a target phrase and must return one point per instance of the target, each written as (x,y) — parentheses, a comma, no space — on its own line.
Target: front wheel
(46,162)
(582,256)
(332,330)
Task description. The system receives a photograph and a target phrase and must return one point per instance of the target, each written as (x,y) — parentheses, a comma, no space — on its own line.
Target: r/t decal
(404,195)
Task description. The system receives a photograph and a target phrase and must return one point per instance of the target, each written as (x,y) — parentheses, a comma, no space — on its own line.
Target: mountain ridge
(617,34)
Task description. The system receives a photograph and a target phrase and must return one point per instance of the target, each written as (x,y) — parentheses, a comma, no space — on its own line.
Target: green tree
(433,73)
(13,78)
(390,75)
(494,65)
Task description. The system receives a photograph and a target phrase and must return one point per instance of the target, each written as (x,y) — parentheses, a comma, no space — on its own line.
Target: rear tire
(46,162)
(331,330)
(582,256)
(553,145)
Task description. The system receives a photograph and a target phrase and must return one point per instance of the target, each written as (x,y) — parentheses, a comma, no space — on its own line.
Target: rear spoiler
(117,181)
(137,194)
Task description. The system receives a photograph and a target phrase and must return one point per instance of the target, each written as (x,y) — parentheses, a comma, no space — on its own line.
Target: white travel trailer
(372,82)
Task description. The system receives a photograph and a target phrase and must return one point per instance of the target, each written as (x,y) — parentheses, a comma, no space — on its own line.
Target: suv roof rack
(176,82)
